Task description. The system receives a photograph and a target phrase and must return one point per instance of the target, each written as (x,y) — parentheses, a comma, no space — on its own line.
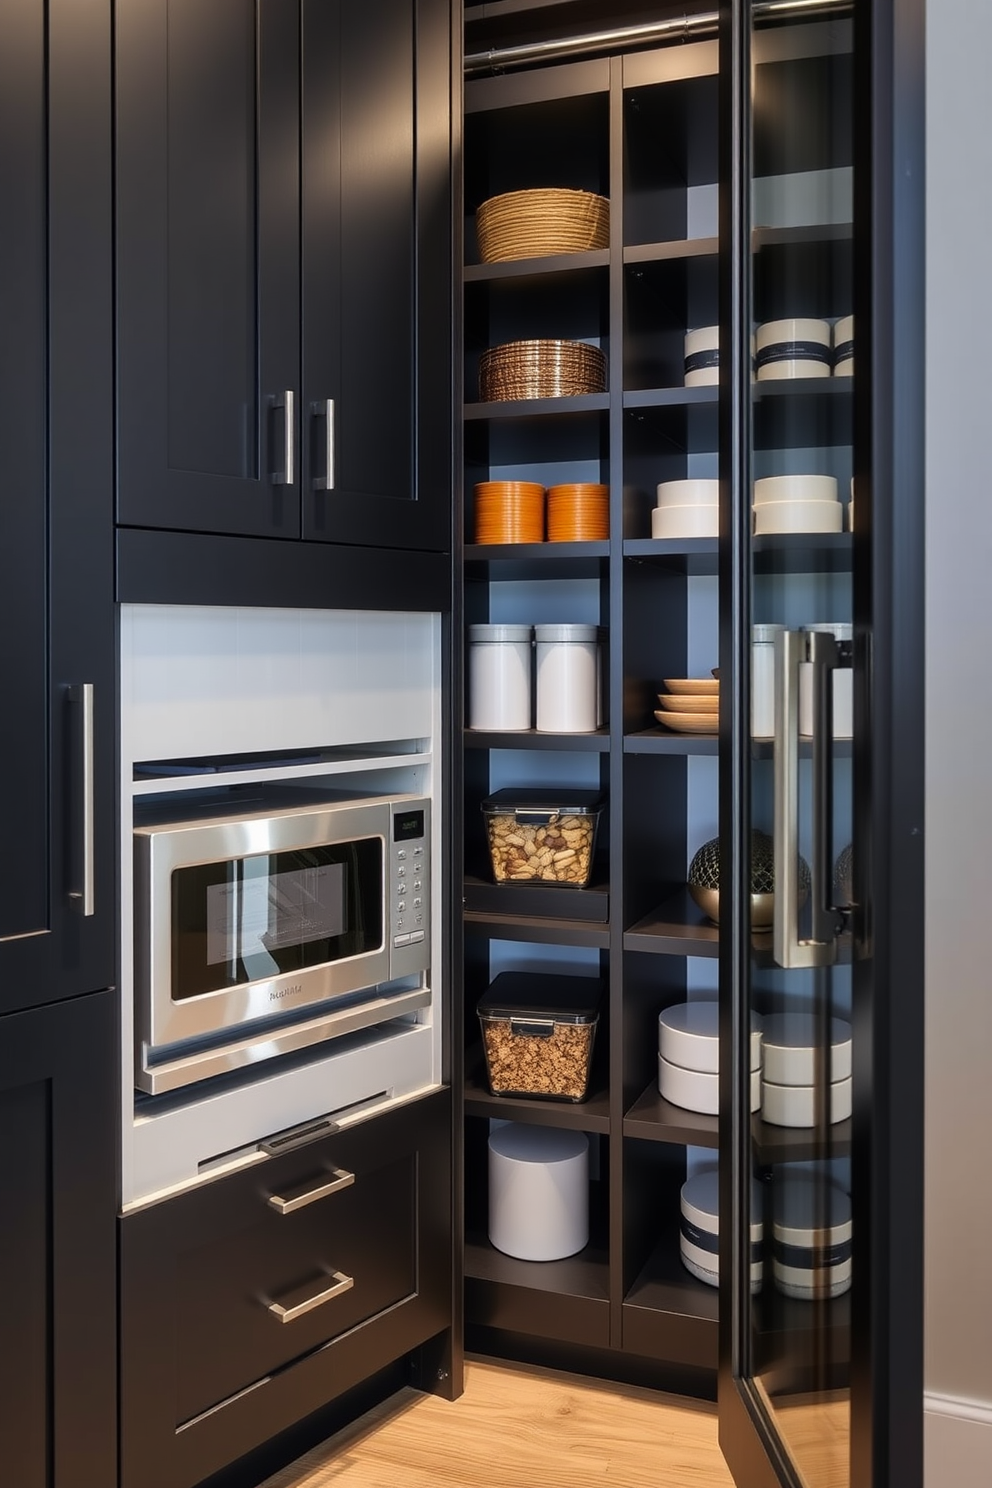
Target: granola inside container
(538,1032)
(538,837)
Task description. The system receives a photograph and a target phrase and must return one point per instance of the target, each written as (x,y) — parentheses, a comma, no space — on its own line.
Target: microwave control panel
(408,888)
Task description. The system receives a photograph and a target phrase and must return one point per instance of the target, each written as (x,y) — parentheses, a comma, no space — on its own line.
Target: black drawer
(259,1297)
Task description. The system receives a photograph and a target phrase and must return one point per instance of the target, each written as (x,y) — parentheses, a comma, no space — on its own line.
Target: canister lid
(544,801)
(566,634)
(689,1035)
(522,994)
(842,629)
(490,634)
(700,1202)
(791,1041)
(810,1209)
(537,1144)
(763,635)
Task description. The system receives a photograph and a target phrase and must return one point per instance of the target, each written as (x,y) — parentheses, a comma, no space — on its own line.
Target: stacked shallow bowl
(689,1057)
(791,1059)
(538,222)
(687,508)
(541,369)
(578,512)
(811,1237)
(699,1229)
(797,503)
(509,512)
(690,705)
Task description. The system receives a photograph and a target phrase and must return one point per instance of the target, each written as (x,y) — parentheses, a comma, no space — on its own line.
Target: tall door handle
(287,402)
(325,410)
(792,648)
(82,888)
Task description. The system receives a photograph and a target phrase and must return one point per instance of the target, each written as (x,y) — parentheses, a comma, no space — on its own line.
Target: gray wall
(959,740)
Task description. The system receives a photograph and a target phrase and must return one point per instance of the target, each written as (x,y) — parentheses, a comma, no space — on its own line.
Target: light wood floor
(520,1428)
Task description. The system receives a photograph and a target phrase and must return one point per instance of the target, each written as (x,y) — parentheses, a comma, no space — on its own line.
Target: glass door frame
(886,1372)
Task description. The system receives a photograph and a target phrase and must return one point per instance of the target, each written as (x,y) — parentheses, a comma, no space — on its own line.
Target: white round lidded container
(568,678)
(702,357)
(698,1090)
(499,676)
(811,1237)
(844,346)
(763,680)
(699,1229)
(687,508)
(689,1036)
(843,688)
(793,348)
(797,1105)
(538,1191)
(790,1045)
(797,503)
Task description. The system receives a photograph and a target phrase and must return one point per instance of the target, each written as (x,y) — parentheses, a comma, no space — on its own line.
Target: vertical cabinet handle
(792,648)
(325,410)
(287,402)
(82,890)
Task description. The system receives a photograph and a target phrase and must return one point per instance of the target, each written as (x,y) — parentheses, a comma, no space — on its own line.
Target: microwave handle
(297,1136)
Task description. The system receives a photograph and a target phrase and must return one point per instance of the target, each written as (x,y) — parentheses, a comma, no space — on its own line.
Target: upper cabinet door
(208,265)
(57,838)
(377,272)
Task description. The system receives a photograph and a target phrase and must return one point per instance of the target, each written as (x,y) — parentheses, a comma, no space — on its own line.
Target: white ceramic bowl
(793,348)
(789,1042)
(798,516)
(687,493)
(773,488)
(844,347)
(795,1105)
(695,1090)
(688,1035)
(702,357)
(685,521)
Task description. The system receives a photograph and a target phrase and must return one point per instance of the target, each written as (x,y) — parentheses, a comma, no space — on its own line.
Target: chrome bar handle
(325,409)
(341,1284)
(339,1179)
(824,920)
(84,898)
(287,402)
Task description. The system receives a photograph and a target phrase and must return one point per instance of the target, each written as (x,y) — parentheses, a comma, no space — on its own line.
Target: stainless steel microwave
(263,929)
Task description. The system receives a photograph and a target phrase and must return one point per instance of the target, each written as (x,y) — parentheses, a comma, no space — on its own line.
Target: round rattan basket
(533,224)
(541,369)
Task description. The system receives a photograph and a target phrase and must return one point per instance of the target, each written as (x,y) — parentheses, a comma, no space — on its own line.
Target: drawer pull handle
(339,1179)
(342,1283)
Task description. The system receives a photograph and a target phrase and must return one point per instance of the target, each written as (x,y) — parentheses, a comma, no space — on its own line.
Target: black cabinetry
(284,269)
(58,1378)
(56,553)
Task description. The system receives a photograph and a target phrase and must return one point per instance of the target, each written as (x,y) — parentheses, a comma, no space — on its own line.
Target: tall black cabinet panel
(57,1245)
(207,264)
(56,611)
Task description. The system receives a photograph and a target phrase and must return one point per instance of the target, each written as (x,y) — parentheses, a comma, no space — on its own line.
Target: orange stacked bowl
(578,512)
(509,512)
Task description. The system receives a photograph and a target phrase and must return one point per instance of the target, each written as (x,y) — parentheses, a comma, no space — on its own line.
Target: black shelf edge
(677,927)
(654,1119)
(669,1314)
(803,552)
(778,1144)
(590,1115)
(802,387)
(636,253)
(533,268)
(585,1275)
(597,743)
(687,555)
(537,931)
(550,904)
(673,397)
(815,232)
(565,1301)
(658,741)
(565,560)
(528,408)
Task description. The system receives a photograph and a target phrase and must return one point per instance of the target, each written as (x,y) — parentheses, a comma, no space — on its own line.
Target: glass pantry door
(805,1294)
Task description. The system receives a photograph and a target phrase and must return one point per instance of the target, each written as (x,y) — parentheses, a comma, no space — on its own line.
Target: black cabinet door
(56,516)
(377,272)
(207,152)
(58,1370)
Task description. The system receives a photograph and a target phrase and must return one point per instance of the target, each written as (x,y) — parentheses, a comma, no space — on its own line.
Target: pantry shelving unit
(641,128)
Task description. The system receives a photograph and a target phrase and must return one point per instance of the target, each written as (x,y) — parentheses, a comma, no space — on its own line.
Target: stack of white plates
(793,348)
(797,503)
(699,1230)
(790,1056)
(811,1237)
(702,357)
(687,508)
(689,1057)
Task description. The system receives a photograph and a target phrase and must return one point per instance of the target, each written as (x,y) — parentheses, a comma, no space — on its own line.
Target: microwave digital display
(407,825)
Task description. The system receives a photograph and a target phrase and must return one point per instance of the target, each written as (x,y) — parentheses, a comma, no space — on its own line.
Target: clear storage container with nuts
(538,1032)
(538,837)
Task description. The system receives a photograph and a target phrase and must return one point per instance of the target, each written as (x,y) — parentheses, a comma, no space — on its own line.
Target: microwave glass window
(250,918)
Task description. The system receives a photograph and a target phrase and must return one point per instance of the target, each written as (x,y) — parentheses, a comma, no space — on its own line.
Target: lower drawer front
(228,1335)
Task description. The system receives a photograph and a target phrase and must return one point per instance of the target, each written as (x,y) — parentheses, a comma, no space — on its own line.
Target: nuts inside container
(535,838)
(538,1032)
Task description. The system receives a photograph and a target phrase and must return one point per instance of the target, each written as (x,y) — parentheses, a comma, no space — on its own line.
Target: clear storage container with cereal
(542,836)
(538,1032)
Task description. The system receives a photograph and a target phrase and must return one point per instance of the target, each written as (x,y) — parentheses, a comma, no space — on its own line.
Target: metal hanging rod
(682,28)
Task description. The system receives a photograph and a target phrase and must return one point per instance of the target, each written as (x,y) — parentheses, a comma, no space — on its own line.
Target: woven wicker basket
(533,224)
(541,369)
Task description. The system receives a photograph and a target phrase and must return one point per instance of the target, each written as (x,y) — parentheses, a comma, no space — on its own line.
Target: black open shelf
(658,740)
(543,902)
(677,927)
(654,1119)
(537,930)
(670,397)
(669,1314)
(566,1301)
(637,253)
(557,560)
(590,1115)
(534,268)
(533,408)
(594,743)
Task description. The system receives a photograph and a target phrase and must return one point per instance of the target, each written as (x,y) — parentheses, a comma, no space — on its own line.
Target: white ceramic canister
(689,1036)
(702,357)
(763,680)
(796,1105)
(844,347)
(538,1191)
(843,687)
(696,1090)
(699,1228)
(791,1048)
(499,676)
(811,1236)
(687,508)
(567,678)
(793,348)
(797,503)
